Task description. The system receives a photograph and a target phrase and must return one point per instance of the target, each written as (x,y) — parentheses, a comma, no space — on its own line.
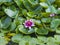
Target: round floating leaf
(42,39)
(27,5)
(31,14)
(33,41)
(24,30)
(6,22)
(55,23)
(17,38)
(19,20)
(42,31)
(43,4)
(46,20)
(12,26)
(25,40)
(58,30)
(51,9)
(50,39)
(50,43)
(3,41)
(37,22)
(57,39)
(11,13)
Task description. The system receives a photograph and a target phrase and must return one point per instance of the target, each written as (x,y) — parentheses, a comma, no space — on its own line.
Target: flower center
(28,23)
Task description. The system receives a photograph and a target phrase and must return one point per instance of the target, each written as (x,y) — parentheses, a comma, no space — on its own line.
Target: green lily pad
(12,26)
(31,14)
(11,13)
(46,20)
(37,22)
(25,40)
(42,31)
(51,9)
(50,43)
(6,22)
(57,37)
(24,30)
(55,23)
(58,30)
(17,38)
(19,20)
(42,39)
(43,4)
(3,41)
(33,41)
(27,5)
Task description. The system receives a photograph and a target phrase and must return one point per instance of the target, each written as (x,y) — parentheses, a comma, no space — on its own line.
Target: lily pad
(42,31)
(55,23)
(24,30)
(6,22)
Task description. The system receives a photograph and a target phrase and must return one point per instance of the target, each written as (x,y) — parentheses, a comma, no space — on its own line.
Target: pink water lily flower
(51,15)
(29,24)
